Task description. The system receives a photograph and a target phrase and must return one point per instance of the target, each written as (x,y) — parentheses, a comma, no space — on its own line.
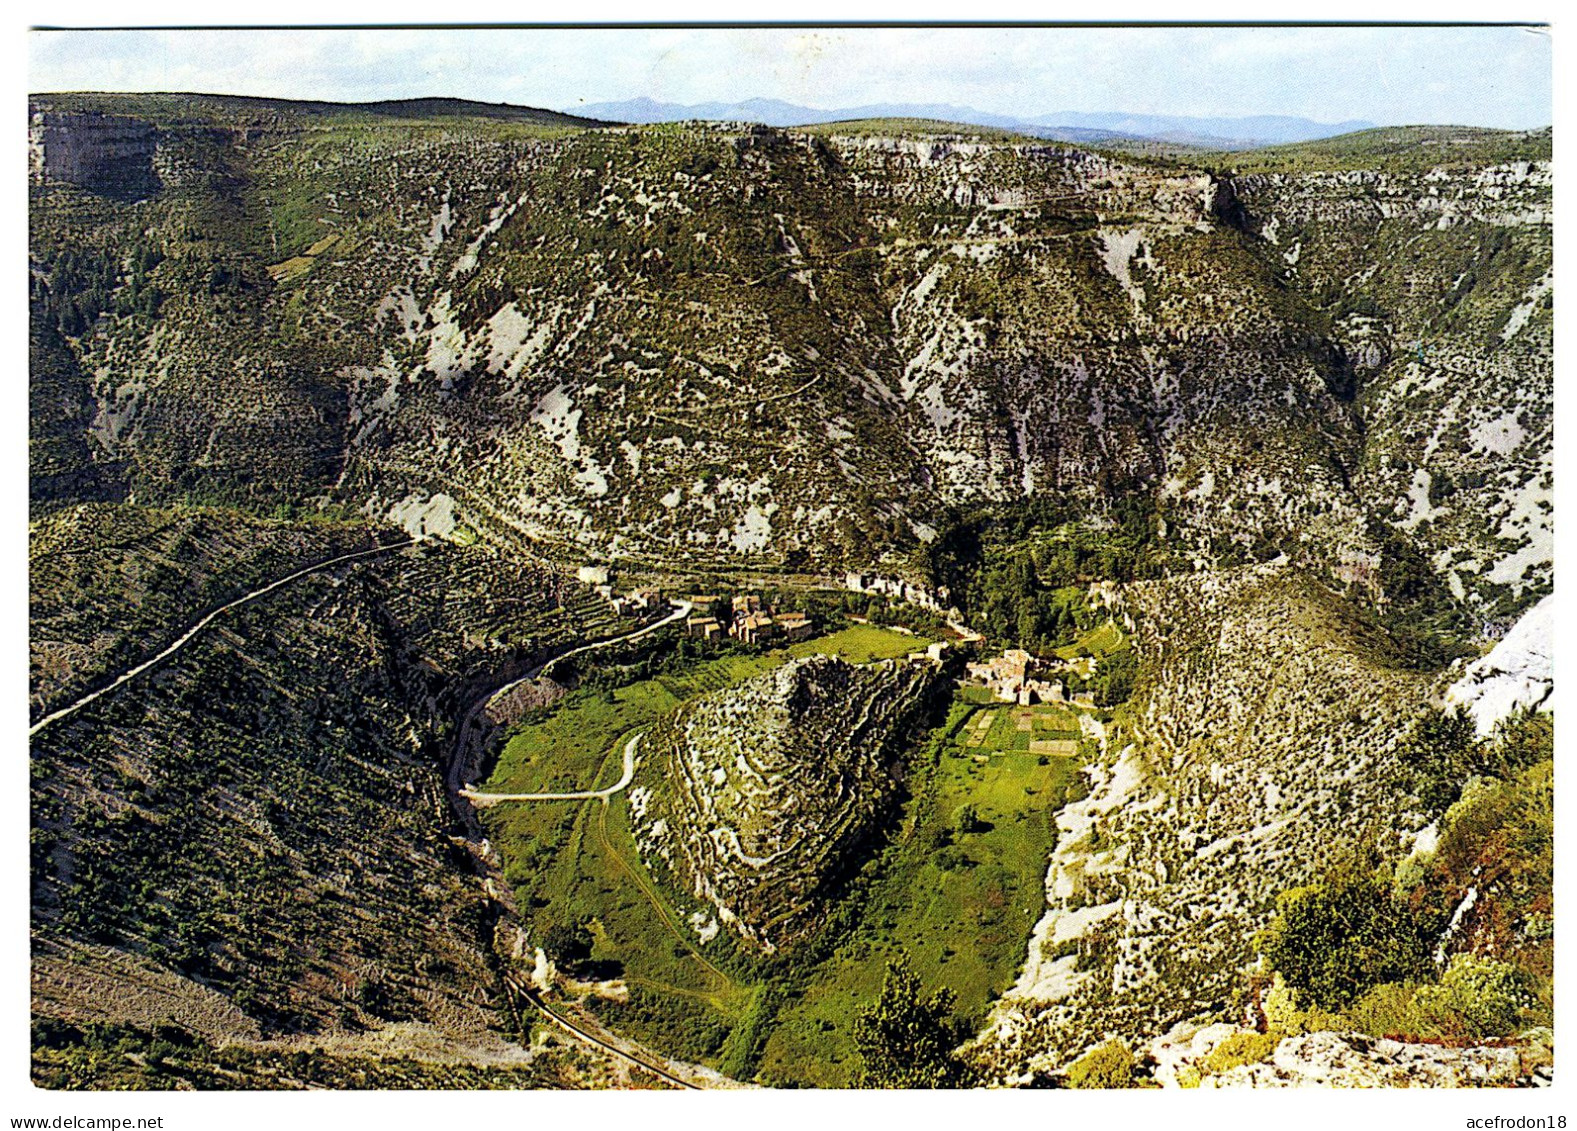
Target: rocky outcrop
(1258,747)
(1352,1060)
(771,792)
(1517,675)
(103,152)
(1187,1057)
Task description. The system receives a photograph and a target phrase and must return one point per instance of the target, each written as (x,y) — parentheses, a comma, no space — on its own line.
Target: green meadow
(958,896)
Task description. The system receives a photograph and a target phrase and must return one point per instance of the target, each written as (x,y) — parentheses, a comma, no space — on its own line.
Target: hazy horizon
(1493,77)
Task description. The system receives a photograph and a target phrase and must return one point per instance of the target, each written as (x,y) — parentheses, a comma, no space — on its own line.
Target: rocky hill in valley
(773,791)
(1286,414)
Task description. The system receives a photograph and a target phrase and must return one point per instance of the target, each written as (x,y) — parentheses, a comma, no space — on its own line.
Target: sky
(1484,76)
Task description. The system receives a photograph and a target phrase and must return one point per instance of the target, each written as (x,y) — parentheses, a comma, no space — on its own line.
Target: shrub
(1241,1048)
(569,945)
(1391,1010)
(1105,1066)
(1440,751)
(1332,941)
(906,1040)
(951,859)
(1478,998)
(1504,828)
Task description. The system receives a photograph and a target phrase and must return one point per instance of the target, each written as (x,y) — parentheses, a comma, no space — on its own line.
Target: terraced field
(765,798)
(1105,640)
(1290,425)
(564,749)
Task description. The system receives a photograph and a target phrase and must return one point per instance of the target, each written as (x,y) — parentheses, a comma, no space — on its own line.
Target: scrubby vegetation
(109,1057)
(898,336)
(1252,451)
(1455,945)
(1394,149)
(1110,1065)
(1335,940)
(166,851)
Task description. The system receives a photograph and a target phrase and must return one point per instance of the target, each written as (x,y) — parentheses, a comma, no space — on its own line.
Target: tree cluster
(908,1039)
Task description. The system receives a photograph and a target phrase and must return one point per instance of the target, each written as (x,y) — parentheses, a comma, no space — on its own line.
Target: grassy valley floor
(956,889)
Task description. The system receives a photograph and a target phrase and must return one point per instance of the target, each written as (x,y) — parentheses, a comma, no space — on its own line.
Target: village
(750,620)
(746,617)
(1016,676)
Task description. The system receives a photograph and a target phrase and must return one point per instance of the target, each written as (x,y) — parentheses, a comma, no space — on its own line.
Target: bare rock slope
(1259,746)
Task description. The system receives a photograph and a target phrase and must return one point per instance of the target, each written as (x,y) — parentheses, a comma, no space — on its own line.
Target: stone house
(645,599)
(704,628)
(795,626)
(753,628)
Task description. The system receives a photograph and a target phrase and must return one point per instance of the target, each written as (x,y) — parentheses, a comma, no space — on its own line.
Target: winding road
(483,800)
(467,737)
(187,636)
(650,1062)
(536,1002)
(681,610)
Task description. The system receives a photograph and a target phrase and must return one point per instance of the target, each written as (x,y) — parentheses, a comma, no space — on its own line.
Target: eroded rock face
(1258,745)
(719,345)
(1445,333)
(1518,674)
(1351,1060)
(772,789)
(1343,1060)
(95,151)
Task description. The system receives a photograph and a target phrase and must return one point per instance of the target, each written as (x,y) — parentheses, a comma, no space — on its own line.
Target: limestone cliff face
(94,151)
(1440,297)
(727,348)
(720,345)
(1518,674)
(769,793)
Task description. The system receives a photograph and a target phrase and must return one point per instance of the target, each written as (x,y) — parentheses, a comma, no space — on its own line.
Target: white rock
(1518,673)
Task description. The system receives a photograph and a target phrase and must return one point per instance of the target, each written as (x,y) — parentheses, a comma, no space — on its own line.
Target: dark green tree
(1334,940)
(907,1040)
(1442,752)
(569,945)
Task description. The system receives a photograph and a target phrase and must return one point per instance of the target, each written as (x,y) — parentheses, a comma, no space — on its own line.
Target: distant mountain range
(1067,125)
